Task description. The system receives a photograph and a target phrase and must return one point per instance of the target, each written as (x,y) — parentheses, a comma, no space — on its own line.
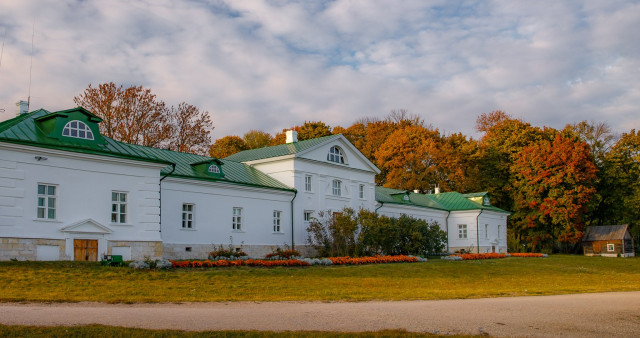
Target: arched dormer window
(77,129)
(335,155)
(214,169)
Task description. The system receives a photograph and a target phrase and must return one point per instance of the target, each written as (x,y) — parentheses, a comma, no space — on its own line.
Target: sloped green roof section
(27,130)
(395,196)
(455,201)
(449,201)
(279,150)
(234,172)
(24,129)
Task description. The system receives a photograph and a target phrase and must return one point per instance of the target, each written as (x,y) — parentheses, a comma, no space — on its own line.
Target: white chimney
(292,136)
(436,190)
(23,107)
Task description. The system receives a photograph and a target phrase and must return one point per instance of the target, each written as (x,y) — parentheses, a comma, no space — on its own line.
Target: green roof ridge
(279,150)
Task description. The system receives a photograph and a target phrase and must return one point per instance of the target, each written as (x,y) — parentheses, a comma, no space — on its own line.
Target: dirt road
(599,314)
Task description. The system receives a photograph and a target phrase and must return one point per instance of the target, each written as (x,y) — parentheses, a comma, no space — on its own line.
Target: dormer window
(335,155)
(214,169)
(486,200)
(77,129)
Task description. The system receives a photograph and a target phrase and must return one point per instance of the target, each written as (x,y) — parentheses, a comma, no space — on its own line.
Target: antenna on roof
(33,33)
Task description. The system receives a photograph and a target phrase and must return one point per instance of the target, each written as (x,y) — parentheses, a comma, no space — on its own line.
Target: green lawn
(436,279)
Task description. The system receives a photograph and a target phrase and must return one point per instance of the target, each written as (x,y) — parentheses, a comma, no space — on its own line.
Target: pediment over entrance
(87,226)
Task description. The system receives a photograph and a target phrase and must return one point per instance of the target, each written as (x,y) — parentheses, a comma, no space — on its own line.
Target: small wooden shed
(608,240)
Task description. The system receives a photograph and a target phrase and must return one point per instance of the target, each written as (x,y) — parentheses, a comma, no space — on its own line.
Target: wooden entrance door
(596,248)
(85,250)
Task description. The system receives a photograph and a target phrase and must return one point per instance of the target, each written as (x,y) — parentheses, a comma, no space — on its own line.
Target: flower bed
(526,254)
(297,261)
(372,260)
(477,256)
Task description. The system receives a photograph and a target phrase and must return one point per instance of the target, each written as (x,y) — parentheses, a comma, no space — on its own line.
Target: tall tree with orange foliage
(416,157)
(227,146)
(190,129)
(553,183)
(132,115)
(136,115)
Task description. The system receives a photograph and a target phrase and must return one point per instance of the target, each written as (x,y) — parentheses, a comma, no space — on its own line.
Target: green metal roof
(30,129)
(279,150)
(449,201)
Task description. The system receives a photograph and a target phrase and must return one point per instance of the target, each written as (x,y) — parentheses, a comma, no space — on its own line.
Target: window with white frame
(77,129)
(499,229)
(237,219)
(361,191)
(462,231)
(307,182)
(337,188)
(118,207)
(187,216)
(308,215)
(276,220)
(46,201)
(335,155)
(214,169)
(486,231)
(611,247)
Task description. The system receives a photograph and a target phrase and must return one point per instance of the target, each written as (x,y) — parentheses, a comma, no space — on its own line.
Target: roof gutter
(293,243)
(173,168)
(477,227)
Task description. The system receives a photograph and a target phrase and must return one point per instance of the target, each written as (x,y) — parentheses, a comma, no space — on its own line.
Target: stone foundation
(483,249)
(139,249)
(26,249)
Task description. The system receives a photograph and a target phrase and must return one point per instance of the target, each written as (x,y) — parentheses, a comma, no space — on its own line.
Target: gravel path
(597,314)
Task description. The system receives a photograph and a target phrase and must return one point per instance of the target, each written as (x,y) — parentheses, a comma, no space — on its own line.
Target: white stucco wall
(213,213)
(429,215)
(84,184)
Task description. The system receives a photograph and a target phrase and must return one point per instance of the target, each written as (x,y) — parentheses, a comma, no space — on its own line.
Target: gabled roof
(605,232)
(280,150)
(449,201)
(24,129)
(298,149)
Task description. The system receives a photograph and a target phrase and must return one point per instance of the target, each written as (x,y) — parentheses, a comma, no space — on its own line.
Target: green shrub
(367,233)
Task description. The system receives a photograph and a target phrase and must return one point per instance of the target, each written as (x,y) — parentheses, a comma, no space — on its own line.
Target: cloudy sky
(272,64)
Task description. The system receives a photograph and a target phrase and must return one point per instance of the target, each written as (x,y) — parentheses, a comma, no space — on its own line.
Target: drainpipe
(446,222)
(381,204)
(293,243)
(477,227)
(173,165)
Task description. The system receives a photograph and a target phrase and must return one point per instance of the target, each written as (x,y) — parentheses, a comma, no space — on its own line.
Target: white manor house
(69,193)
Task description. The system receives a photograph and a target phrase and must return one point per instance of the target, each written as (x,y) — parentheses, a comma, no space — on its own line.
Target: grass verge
(436,279)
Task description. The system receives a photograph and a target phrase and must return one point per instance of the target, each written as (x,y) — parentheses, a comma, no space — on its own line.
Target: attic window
(335,155)
(214,169)
(486,200)
(77,129)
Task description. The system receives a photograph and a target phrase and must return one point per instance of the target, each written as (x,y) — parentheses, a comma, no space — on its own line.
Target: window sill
(121,224)
(278,233)
(188,229)
(339,198)
(44,220)
(238,231)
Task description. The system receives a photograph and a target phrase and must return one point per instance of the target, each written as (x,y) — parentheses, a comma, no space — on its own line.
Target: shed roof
(605,232)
